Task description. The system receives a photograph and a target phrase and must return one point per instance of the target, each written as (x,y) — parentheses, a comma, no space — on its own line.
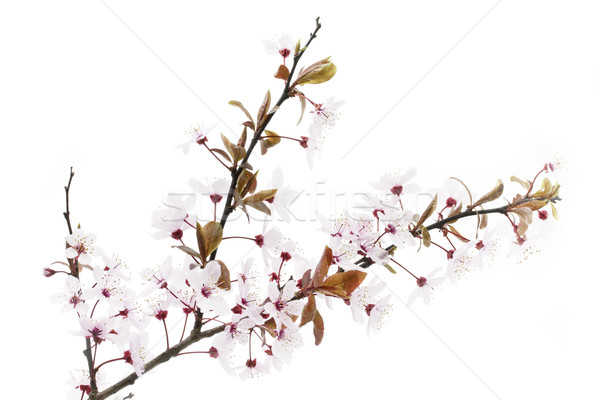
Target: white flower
(397,184)
(283,198)
(253,369)
(209,296)
(71,298)
(425,287)
(281,306)
(108,287)
(327,113)
(172,220)
(365,303)
(221,350)
(81,246)
(198,136)
(157,277)
(286,341)
(138,352)
(283,46)
(98,330)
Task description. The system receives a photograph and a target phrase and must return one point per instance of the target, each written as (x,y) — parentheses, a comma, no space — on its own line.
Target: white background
(109,88)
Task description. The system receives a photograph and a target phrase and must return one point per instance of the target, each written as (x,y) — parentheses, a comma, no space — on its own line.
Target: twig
(67,213)
(235,174)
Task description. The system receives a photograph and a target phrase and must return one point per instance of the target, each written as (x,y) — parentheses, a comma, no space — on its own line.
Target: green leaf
(319,72)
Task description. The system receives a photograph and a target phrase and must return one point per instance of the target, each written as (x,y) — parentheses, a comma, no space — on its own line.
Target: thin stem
(184,325)
(402,266)
(109,361)
(166,333)
(218,159)
(94,308)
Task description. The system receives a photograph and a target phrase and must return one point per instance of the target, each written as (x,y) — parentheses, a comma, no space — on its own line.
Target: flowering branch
(265,317)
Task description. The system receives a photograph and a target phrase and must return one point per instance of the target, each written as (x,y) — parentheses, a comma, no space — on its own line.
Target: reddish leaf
(282,73)
(323,267)
(224,281)
(318,328)
(201,239)
(309,310)
(333,291)
(347,281)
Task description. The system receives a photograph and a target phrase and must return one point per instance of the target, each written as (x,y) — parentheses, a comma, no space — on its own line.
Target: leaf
(282,73)
(246,182)
(533,205)
(333,291)
(526,184)
(319,72)
(309,310)
(271,140)
(222,154)
(348,281)
(389,268)
(466,188)
(318,328)
(525,217)
(239,105)
(239,202)
(261,196)
(263,149)
(237,152)
(457,234)
(454,211)
(242,141)
(322,267)
(262,111)
(554,211)
(491,195)
(428,211)
(246,165)
(260,206)
(213,234)
(188,250)
(484,221)
(201,238)
(305,278)
(224,281)
(426,237)
(302,108)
